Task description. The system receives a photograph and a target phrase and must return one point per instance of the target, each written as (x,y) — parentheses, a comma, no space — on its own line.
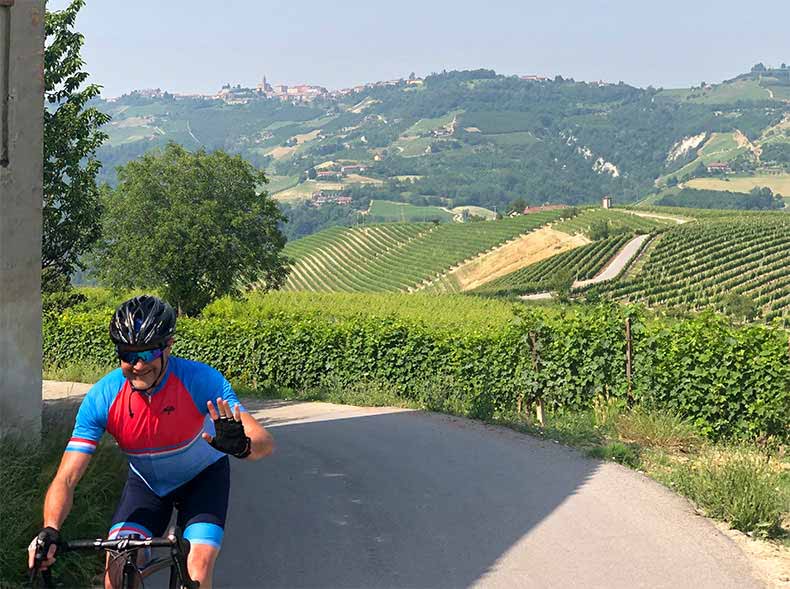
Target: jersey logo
(169,409)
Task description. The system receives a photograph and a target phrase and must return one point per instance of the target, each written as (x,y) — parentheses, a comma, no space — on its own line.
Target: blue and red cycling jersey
(159,431)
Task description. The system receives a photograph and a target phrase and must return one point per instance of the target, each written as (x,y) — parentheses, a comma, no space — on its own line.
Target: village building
(718,168)
(353,169)
(321,198)
(606,202)
(328,175)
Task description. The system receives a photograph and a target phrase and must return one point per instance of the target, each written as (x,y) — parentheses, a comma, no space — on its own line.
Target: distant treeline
(757,199)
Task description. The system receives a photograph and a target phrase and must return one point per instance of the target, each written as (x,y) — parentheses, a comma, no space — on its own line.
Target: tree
(561,284)
(599,230)
(518,205)
(71,207)
(191,225)
(740,306)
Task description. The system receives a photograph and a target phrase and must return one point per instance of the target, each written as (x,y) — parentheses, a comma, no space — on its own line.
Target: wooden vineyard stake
(539,404)
(628,353)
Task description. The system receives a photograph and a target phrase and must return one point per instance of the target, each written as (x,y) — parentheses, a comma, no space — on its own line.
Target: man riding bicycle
(161,410)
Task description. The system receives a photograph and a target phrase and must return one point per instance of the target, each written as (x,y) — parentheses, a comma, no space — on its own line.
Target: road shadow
(407,499)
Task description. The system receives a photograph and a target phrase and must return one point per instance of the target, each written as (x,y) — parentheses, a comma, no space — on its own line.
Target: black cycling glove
(230,439)
(45,538)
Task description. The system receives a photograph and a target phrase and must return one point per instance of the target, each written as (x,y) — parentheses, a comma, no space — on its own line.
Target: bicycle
(127,547)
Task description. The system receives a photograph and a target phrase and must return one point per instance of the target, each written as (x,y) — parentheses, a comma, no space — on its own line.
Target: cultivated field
(478,211)
(527,250)
(698,265)
(745,90)
(780,184)
(615,220)
(396,256)
(306,189)
(386,210)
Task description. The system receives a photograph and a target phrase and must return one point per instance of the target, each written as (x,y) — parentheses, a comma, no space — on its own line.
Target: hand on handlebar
(230,437)
(41,552)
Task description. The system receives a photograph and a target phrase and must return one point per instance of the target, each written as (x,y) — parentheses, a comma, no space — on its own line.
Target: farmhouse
(773,170)
(606,202)
(320,198)
(353,169)
(718,168)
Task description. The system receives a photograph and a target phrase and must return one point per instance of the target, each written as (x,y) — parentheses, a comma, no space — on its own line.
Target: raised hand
(229,435)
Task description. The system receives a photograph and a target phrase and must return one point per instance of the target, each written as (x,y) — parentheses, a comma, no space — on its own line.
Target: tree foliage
(757,199)
(71,207)
(192,226)
(731,381)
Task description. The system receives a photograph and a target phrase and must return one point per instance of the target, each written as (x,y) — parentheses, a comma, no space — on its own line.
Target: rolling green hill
(475,137)
(703,264)
(715,259)
(396,256)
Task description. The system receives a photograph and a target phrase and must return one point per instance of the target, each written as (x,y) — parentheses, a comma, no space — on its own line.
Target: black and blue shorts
(202,505)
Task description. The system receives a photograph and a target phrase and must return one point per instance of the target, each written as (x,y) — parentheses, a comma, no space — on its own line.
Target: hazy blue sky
(197,45)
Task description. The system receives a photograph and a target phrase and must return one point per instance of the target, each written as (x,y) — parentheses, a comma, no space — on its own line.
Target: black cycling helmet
(143,321)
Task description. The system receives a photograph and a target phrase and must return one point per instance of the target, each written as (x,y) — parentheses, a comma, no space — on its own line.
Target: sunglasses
(144,355)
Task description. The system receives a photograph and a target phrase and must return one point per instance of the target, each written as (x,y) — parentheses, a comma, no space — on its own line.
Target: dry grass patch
(527,249)
(655,429)
(777,183)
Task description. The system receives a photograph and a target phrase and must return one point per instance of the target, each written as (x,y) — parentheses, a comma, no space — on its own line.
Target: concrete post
(21,155)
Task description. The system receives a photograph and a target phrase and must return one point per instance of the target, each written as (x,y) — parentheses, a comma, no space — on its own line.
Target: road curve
(612,269)
(361,497)
(381,497)
(617,263)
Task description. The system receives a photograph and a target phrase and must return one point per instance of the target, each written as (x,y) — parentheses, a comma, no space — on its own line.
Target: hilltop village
(298,93)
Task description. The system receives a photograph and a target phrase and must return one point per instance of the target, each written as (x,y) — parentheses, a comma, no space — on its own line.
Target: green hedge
(732,381)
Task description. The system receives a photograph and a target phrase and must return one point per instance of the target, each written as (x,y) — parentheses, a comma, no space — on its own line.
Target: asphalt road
(387,498)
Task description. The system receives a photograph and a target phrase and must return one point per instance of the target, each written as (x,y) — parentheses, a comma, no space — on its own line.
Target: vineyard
(399,256)
(479,357)
(580,264)
(588,220)
(700,264)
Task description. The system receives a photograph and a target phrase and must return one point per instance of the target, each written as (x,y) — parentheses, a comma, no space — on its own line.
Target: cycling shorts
(202,505)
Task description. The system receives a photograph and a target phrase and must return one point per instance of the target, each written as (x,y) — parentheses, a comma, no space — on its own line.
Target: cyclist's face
(142,374)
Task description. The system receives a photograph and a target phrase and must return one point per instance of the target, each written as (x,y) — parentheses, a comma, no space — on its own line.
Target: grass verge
(27,469)
(745,485)
(77,372)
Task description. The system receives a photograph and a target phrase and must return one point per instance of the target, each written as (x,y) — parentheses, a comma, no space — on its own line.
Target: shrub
(657,429)
(27,469)
(739,487)
(728,381)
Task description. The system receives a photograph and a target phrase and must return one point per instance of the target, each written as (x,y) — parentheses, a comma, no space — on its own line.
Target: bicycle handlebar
(178,545)
(123,543)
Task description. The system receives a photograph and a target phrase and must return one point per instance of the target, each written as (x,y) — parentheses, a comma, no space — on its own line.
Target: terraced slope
(586,221)
(581,263)
(698,264)
(396,256)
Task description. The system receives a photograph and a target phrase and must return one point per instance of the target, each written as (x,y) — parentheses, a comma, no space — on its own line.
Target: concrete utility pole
(21,195)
